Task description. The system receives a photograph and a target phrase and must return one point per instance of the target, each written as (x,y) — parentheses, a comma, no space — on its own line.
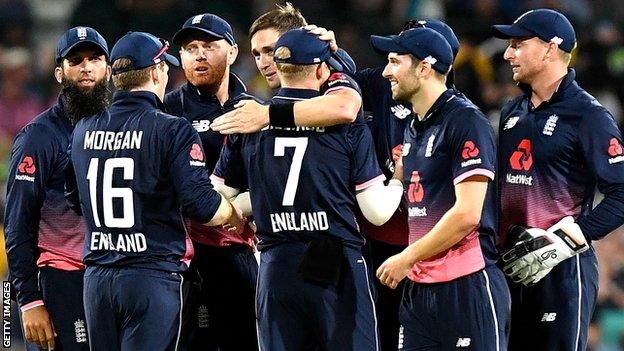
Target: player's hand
(324,34)
(236,222)
(38,327)
(248,117)
(393,270)
(397,157)
(531,259)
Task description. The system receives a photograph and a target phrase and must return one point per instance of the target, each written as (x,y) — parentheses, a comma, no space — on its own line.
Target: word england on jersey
(304,221)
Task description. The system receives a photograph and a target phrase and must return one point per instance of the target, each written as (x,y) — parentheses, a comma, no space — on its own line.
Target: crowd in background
(29,31)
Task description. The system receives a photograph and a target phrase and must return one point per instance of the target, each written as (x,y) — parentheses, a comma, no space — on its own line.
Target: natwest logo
(522,159)
(615,151)
(26,169)
(197,156)
(470,150)
(415,191)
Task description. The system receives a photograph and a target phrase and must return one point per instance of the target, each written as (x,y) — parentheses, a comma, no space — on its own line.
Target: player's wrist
(569,234)
(282,115)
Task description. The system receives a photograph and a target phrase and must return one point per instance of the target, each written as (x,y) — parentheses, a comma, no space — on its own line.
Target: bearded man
(44,237)
(224,259)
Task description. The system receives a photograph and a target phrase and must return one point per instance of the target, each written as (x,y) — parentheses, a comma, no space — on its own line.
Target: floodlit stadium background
(29,31)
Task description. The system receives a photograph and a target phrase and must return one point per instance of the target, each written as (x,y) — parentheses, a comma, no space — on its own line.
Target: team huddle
(132,218)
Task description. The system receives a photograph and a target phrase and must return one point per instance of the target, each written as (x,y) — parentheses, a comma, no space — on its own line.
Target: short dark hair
(129,80)
(283,19)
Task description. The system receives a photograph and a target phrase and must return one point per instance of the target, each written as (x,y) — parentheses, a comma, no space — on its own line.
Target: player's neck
(546,84)
(426,97)
(302,84)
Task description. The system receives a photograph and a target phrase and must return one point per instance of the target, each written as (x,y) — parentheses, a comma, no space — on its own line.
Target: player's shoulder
(338,80)
(173,100)
(585,105)
(43,126)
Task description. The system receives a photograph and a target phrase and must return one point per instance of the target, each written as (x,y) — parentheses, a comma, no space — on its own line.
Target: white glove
(532,258)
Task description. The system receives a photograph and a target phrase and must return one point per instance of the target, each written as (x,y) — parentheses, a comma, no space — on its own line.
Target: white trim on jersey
(580,298)
(177,344)
(487,285)
(370,294)
(256,305)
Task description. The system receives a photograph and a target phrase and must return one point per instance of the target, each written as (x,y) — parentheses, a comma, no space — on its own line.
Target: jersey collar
(566,82)
(296,94)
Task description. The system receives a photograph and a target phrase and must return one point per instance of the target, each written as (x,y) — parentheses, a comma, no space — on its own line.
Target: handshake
(536,251)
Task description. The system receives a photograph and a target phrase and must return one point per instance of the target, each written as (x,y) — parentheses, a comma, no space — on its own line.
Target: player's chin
(273,82)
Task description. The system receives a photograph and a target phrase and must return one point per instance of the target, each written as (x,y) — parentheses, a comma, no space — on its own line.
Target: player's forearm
(23,268)
(327,110)
(455,225)
(223,213)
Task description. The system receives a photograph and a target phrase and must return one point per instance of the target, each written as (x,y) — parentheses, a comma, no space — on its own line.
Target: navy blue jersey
(387,120)
(201,110)
(137,171)
(39,227)
(187,102)
(552,158)
(302,180)
(453,142)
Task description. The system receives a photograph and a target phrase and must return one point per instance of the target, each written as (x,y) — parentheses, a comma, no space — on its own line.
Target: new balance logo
(550,125)
(549,317)
(400,111)
(202,125)
(511,122)
(463,342)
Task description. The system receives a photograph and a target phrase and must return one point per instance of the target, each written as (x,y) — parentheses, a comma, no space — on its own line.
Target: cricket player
(44,237)
(225,259)
(138,172)
(305,182)
(455,296)
(557,145)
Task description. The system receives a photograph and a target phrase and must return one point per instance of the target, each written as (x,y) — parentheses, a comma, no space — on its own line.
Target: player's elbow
(467,221)
(347,111)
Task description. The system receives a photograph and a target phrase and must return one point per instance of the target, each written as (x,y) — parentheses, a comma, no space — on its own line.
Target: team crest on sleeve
(26,169)
(615,151)
(197,156)
(469,153)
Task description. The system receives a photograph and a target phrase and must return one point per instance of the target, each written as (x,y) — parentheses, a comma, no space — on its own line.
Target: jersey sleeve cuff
(216,179)
(362,186)
(31,305)
(339,88)
(478,171)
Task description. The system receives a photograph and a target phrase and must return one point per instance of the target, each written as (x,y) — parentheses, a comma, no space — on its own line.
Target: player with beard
(44,237)
(224,259)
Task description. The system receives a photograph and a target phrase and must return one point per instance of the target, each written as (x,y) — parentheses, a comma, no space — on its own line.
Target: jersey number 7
(300,145)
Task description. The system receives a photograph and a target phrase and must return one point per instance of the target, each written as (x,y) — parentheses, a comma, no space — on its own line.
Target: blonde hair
(130,79)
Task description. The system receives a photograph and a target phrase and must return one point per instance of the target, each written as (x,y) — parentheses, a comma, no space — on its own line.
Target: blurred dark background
(29,31)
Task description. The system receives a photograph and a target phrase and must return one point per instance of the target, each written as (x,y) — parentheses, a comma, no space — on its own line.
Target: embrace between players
(408,187)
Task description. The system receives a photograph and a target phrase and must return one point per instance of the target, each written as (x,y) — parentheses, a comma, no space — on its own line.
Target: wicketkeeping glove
(537,251)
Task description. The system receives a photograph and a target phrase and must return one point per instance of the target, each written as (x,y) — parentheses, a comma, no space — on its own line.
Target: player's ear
(58,74)
(232,54)
(108,73)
